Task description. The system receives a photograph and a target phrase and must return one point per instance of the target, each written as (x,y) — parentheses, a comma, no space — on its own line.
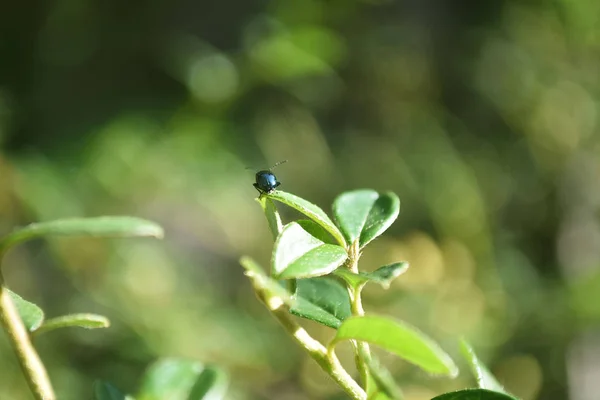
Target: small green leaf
(474,394)
(31,315)
(273,218)
(383,275)
(384,212)
(365,214)
(99,226)
(211,385)
(87,321)
(298,254)
(399,338)
(316,230)
(170,378)
(351,209)
(311,211)
(106,391)
(485,379)
(323,300)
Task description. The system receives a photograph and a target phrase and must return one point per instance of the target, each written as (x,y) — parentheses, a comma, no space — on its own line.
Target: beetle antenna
(279,163)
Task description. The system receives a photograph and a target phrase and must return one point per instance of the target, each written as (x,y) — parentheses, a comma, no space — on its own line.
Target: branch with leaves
(319,261)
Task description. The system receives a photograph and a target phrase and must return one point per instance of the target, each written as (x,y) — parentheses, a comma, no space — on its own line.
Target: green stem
(33,369)
(361,349)
(327,361)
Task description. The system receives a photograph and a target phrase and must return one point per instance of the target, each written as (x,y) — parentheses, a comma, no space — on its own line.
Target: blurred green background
(481,116)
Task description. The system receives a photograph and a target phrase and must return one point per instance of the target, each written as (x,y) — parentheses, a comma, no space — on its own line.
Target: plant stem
(361,349)
(327,361)
(33,369)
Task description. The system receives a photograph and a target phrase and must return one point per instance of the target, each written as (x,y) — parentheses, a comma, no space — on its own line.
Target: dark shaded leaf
(323,300)
(474,394)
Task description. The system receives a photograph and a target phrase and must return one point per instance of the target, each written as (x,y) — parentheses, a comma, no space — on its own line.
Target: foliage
(309,265)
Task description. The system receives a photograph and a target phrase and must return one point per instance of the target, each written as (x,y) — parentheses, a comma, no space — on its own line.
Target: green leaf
(211,385)
(485,379)
(399,338)
(99,226)
(351,209)
(364,214)
(106,391)
(311,211)
(382,276)
(273,218)
(87,321)
(31,315)
(382,215)
(316,230)
(298,254)
(474,394)
(382,379)
(170,378)
(323,300)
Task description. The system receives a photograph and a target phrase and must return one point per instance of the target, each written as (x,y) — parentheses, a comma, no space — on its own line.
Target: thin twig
(33,369)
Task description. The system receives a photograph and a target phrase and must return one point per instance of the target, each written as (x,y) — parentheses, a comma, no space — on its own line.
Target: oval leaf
(298,254)
(170,378)
(311,211)
(31,315)
(316,230)
(384,212)
(210,385)
(399,338)
(474,394)
(323,300)
(87,321)
(99,226)
(106,391)
(485,379)
(382,276)
(351,210)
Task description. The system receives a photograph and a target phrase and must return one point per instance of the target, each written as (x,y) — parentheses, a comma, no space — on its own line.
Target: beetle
(266,181)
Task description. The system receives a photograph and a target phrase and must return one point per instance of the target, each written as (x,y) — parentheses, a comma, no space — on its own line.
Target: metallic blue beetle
(266,181)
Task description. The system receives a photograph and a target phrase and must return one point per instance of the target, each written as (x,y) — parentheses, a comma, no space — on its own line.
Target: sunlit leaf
(311,211)
(351,209)
(31,315)
(298,254)
(382,276)
(87,321)
(323,300)
(106,391)
(485,379)
(474,394)
(399,338)
(384,212)
(99,226)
